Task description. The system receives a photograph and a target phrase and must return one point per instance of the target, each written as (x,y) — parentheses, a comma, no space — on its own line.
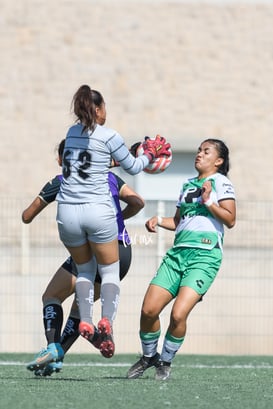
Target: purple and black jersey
(49,191)
(115,184)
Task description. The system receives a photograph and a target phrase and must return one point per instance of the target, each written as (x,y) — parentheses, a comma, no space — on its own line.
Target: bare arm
(168,223)
(225,210)
(33,210)
(134,202)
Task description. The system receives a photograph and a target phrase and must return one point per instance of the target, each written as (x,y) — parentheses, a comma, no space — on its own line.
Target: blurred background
(185,69)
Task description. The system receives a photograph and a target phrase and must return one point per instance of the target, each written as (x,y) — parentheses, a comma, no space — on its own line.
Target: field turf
(93,382)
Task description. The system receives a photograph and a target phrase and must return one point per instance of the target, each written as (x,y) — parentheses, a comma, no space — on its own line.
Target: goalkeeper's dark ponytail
(84,103)
(84,108)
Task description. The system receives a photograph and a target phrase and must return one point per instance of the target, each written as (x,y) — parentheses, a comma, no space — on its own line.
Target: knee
(46,299)
(49,294)
(178,319)
(148,313)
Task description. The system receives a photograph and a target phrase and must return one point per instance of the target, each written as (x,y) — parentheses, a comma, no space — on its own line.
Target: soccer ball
(159,164)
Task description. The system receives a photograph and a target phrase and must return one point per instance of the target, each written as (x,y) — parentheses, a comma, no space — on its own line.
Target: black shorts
(125,257)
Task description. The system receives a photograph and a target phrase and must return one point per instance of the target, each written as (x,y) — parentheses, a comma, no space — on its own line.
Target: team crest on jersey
(206,241)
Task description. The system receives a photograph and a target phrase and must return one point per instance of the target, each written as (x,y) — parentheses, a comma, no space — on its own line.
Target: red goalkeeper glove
(155,148)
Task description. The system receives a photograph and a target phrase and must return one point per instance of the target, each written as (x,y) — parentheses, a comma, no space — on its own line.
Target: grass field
(90,381)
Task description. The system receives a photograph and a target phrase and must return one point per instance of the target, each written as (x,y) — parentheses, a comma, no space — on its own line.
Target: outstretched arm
(168,223)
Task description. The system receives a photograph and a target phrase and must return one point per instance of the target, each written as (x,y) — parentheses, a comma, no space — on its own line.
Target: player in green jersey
(206,204)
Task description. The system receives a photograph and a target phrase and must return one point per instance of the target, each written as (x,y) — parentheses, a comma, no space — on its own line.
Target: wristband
(159,220)
(208,202)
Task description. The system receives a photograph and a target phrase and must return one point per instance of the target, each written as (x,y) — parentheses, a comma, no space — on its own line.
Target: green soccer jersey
(198,228)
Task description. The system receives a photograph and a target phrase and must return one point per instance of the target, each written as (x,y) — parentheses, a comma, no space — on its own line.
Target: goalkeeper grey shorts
(79,223)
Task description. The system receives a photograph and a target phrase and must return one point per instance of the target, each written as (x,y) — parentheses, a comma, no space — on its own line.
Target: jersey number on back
(84,158)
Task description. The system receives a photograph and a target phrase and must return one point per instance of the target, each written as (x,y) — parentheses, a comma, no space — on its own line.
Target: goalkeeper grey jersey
(86,162)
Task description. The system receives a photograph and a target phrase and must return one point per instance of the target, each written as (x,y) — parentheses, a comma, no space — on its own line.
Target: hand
(151,224)
(162,147)
(206,190)
(134,147)
(155,148)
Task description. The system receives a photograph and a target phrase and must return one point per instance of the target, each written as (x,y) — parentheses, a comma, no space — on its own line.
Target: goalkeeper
(62,284)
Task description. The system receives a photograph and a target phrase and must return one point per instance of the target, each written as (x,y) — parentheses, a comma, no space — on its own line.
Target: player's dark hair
(84,109)
(97,98)
(223,153)
(61,148)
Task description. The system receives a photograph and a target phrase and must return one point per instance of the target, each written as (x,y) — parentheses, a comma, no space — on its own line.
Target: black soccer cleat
(137,370)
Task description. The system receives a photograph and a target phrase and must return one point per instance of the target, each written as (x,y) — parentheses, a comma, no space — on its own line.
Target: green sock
(149,342)
(170,346)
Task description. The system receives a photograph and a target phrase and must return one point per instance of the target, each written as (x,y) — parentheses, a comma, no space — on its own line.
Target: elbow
(231,224)
(26,220)
(141,204)
(138,203)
